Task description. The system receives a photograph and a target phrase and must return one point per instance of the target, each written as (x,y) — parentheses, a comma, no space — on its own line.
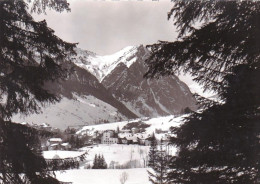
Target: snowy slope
(84,100)
(163,123)
(80,110)
(100,66)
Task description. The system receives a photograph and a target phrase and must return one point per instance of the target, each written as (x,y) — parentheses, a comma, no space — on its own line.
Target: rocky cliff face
(83,83)
(147,97)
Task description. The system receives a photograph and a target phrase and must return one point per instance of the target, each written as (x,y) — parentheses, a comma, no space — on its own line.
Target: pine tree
(95,163)
(159,172)
(99,162)
(220,143)
(103,164)
(30,56)
(152,151)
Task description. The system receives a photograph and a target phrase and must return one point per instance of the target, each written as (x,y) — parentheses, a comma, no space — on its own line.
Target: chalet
(54,143)
(135,130)
(123,141)
(125,131)
(54,147)
(45,127)
(109,137)
(55,140)
(65,146)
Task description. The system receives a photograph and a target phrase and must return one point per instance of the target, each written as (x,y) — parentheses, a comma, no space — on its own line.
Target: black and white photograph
(129,92)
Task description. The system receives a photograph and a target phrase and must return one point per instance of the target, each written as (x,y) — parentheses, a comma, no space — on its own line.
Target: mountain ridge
(111,88)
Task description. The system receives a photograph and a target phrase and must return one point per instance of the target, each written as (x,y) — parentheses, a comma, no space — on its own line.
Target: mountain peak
(101,66)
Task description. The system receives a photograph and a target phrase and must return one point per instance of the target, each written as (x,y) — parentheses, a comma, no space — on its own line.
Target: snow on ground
(120,154)
(163,123)
(104,176)
(116,152)
(62,114)
(61,154)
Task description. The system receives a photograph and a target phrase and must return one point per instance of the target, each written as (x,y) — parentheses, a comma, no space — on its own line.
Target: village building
(45,126)
(65,146)
(54,144)
(109,137)
(135,130)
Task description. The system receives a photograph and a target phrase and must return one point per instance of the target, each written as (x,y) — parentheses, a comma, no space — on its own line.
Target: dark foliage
(152,151)
(139,124)
(99,162)
(159,172)
(30,56)
(20,152)
(220,143)
(75,142)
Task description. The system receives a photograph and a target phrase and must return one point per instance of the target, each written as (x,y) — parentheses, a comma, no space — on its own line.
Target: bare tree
(143,156)
(131,158)
(123,177)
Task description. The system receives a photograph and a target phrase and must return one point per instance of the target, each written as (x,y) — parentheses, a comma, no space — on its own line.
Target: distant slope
(83,82)
(79,111)
(84,100)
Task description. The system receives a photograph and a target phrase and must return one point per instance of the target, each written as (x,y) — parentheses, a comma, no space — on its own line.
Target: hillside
(84,101)
(163,123)
(111,88)
(122,74)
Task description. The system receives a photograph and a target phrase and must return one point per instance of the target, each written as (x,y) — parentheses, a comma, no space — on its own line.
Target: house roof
(65,144)
(54,145)
(55,140)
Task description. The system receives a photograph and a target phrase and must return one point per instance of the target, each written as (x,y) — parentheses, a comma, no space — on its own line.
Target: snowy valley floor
(103,176)
(120,154)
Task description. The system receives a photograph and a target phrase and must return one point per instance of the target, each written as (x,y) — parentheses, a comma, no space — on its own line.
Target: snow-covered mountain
(122,74)
(112,88)
(84,101)
(101,66)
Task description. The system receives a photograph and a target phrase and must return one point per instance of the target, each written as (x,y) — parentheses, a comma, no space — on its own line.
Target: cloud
(106,27)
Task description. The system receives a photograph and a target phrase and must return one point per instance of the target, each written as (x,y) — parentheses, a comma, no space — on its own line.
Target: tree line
(219,46)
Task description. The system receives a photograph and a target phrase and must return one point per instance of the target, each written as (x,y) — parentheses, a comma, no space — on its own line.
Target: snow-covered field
(106,176)
(61,154)
(163,123)
(118,153)
(121,154)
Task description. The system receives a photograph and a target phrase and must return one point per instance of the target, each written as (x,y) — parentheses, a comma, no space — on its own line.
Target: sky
(105,27)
